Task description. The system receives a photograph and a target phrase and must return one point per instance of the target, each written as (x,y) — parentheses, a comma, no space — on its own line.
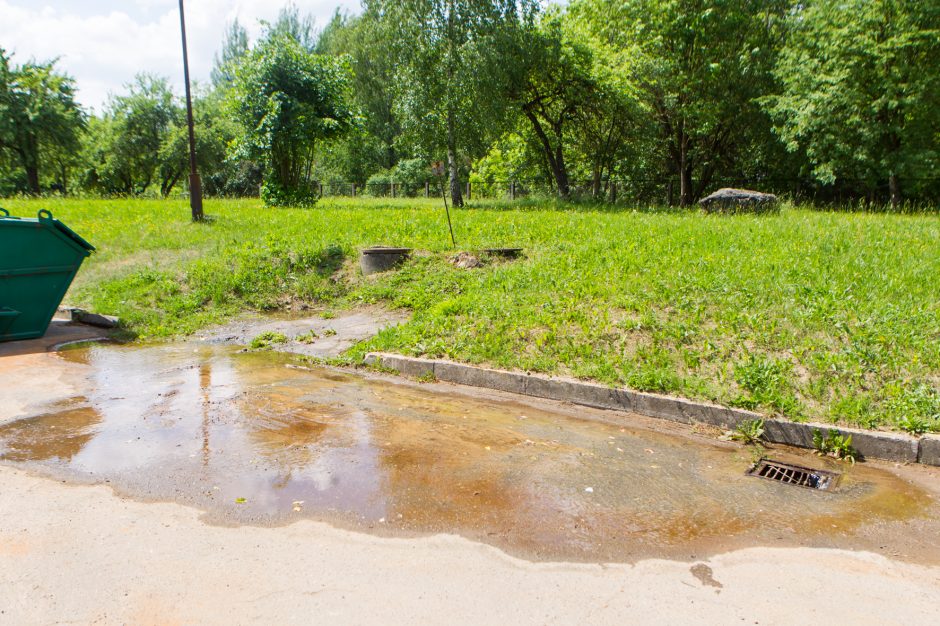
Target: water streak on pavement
(253,438)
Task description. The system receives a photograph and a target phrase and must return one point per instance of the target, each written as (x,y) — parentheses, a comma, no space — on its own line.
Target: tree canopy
(287,99)
(658,101)
(861,92)
(39,116)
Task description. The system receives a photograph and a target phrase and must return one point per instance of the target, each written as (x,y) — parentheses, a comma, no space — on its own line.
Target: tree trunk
(32,179)
(452,166)
(894,188)
(685,186)
(166,187)
(555,158)
(685,175)
(683,165)
(561,172)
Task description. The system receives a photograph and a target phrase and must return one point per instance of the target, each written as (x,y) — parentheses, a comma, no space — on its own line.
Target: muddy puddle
(256,438)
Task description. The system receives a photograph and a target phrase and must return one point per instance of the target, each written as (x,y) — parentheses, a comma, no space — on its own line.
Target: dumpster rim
(68,232)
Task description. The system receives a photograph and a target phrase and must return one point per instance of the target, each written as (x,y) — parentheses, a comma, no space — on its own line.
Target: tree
(291,23)
(553,88)
(454,57)
(125,155)
(606,135)
(697,67)
(234,49)
(861,91)
(213,130)
(287,100)
(368,42)
(38,115)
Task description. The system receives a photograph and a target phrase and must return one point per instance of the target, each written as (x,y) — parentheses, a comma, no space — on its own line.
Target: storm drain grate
(794,475)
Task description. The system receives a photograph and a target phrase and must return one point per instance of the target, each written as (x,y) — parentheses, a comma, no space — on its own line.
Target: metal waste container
(38,260)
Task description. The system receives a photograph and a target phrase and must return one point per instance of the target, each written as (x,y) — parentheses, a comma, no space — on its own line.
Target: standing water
(259,438)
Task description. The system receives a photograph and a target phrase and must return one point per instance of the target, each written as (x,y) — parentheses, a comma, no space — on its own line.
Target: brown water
(253,438)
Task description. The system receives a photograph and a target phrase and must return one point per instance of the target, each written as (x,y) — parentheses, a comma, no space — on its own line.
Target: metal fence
(642,191)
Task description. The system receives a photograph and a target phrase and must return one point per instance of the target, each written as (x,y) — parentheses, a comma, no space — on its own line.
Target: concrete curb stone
(883,445)
(588,394)
(929,451)
(81,316)
(409,366)
(480,377)
(875,444)
(663,407)
(790,433)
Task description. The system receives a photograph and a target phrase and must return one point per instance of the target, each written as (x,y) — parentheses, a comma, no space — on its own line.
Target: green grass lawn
(810,315)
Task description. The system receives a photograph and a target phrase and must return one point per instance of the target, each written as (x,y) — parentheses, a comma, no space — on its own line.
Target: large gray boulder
(729,200)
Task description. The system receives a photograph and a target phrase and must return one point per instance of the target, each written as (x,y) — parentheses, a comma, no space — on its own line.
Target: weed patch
(267,340)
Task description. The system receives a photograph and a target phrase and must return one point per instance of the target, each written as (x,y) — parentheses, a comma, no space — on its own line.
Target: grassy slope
(810,315)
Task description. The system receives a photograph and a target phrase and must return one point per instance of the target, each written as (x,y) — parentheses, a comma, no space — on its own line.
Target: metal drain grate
(794,475)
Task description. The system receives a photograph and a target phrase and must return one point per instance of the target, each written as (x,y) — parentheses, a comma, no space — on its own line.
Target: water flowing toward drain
(250,438)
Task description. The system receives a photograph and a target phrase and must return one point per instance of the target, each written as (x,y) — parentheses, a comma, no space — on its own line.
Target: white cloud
(104,44)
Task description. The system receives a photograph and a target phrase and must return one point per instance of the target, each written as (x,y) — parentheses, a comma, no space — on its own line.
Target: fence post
(468,190)
(427,190)
(613,192)
(393,190)
(320,185)
(354,190)
(512,190)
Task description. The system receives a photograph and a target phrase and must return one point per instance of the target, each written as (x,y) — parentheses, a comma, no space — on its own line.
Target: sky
(104,43)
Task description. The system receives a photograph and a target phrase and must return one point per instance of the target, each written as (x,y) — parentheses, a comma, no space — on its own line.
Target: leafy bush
(380,183)
(275,194)
(286,100)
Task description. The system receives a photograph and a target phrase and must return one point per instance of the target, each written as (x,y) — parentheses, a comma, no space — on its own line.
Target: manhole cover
(794,475)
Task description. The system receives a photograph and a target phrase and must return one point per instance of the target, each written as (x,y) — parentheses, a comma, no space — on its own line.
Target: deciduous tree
(553,87)
(698,67)
(861,91)
(124,155)
(451,81)
(38,115)
(287,100)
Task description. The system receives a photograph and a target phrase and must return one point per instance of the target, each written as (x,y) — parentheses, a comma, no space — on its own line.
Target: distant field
(823,316)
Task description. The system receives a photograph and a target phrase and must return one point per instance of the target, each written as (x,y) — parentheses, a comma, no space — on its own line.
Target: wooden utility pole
(195,184)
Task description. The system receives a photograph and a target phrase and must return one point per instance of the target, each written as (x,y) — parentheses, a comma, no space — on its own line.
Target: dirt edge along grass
(808,315)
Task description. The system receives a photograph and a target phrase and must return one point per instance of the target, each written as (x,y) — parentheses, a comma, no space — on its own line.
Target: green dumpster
(38,260)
